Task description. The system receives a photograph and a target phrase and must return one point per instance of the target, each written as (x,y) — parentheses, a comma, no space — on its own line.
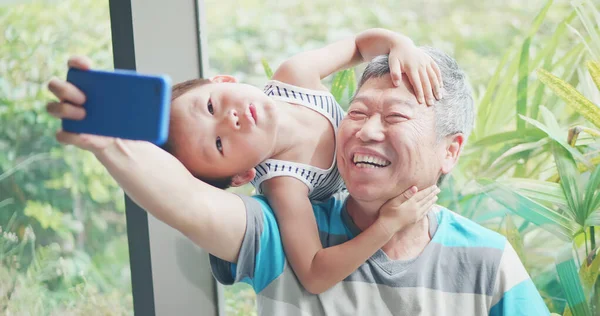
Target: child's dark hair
(170,145)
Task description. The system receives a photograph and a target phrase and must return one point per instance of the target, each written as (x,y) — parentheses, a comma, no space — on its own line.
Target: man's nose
(371,130)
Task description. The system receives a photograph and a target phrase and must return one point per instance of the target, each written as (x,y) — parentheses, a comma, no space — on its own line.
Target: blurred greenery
(69,253)
(63,245)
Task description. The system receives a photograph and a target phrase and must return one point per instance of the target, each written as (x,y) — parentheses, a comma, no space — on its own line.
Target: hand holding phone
(122,104)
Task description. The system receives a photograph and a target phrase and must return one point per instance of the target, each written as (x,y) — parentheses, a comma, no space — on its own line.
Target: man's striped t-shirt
(464,270)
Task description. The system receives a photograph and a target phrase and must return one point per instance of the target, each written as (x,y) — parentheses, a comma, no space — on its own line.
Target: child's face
(223,129)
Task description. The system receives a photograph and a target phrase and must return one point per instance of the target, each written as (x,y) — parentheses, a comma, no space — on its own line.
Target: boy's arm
(318,268)
(514,291)
(307,69)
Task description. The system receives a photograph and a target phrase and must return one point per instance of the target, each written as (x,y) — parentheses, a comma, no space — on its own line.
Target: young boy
(283,140)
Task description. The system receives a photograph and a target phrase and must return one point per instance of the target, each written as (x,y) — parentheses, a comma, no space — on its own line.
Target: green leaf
(44,214)
(514,237)
(571,96)
(594,69)
(589,274)
(485,104)
(522,84)
(267,68)
(539,18)
(584,9)
(528,135)
(520,148)
(340,82)
(537,189)
(548,54)
(591,200)
(567,170)
(593,219)
(351,83)
(546,218)
(570,282)
(555,134)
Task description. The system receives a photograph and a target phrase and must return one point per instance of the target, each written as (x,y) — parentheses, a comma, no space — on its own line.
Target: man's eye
(210,107)
(395,118)
(219,145)
(357,114)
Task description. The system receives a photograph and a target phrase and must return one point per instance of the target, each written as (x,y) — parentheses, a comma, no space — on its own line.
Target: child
(283,141)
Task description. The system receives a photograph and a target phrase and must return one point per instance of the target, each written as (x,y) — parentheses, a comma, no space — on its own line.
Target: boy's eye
(210,107)
(219,145)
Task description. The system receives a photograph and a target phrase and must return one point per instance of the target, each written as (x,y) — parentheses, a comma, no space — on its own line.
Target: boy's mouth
(252,109)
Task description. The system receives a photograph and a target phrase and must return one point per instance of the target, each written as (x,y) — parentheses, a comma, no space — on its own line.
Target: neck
(289,122)
(405,244)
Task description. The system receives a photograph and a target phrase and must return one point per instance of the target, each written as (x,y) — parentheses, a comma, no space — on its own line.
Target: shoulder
(458,231)
(328,213)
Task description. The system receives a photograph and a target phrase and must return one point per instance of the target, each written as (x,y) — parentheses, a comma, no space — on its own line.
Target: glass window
(63,245)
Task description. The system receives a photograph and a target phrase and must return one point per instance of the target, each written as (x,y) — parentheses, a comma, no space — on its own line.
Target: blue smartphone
(122,104)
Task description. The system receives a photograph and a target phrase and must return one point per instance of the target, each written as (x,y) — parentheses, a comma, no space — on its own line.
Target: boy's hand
(70,106)
(422,72)
(407,208)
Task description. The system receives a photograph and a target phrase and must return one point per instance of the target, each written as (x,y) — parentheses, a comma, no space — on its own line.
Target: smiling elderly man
(443,265)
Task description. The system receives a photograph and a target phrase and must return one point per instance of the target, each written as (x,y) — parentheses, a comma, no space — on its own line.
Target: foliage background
(63,248)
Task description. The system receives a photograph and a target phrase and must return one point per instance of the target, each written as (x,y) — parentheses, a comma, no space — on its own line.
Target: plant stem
(585,239)
(593,238)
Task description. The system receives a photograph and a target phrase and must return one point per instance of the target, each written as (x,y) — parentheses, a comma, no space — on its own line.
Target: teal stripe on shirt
(521,300)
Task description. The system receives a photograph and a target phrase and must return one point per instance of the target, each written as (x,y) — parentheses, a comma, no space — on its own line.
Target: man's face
(387,142)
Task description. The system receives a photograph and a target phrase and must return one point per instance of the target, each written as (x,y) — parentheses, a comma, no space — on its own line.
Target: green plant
(569,209)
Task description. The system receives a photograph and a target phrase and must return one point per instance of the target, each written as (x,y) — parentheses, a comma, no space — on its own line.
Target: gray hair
(455,112)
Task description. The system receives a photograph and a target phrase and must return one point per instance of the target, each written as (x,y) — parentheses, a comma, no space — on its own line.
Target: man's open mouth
(366,161)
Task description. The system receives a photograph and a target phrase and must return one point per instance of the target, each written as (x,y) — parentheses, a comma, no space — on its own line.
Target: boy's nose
(232,120)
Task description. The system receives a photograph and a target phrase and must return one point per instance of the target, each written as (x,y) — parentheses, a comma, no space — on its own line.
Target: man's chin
(366,192)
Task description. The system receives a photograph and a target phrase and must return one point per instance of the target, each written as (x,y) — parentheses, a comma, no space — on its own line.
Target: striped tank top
(321,183)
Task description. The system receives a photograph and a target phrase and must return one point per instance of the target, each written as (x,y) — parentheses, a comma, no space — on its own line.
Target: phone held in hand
(123,104)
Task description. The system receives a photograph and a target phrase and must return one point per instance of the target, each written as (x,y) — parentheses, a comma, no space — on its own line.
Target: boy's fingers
(65,91)
(438,73)
(435,83)
(427,202)
(427,90)
(80,62)
(425,192)
(410,192)
(415,82)
(65,110)
(395,71)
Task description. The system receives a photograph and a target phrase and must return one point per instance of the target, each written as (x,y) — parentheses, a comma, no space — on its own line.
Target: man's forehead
(381,90)
(378,97)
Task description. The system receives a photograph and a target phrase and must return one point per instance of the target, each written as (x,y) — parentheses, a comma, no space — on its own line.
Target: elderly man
(442,265)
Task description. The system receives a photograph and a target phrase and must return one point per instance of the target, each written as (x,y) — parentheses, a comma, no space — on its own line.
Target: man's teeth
(366,161)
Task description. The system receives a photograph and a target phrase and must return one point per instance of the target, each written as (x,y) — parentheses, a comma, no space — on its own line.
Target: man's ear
(243,178)
(223,78)
(454,145)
